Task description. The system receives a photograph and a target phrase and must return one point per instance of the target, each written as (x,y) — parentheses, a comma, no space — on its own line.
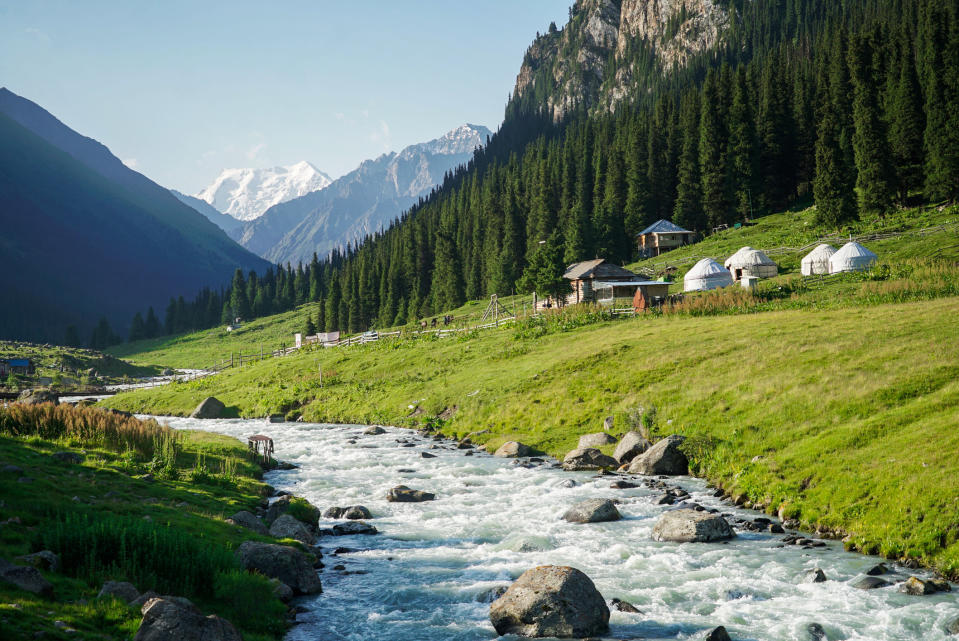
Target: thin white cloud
(255,150)
(381,136)
(39,35)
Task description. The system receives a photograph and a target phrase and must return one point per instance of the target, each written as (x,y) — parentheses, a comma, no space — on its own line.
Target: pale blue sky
(181,89)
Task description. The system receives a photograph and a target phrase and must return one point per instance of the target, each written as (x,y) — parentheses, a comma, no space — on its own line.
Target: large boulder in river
(598,439)
(287,527)
(551,601)
(209,407)
(690,526)
(168,620)
(25,578)
(249,521)
(630,446)
(663,458)
(282,562)
(587,458)
(717,634)
(513,449)
(357,512)
(403,494)
(37,396)
(592,511)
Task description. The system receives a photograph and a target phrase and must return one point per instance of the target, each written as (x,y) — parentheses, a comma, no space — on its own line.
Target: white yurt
(817,261)
(706,274)
(851,257)
(751,262)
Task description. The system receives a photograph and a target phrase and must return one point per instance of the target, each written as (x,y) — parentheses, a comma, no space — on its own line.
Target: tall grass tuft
(84,426)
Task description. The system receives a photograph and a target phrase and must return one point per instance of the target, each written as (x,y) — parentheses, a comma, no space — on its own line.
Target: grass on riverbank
(844,417)
(68,366)
(167,534)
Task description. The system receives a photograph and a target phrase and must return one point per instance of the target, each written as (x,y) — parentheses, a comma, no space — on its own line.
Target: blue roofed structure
(662,236)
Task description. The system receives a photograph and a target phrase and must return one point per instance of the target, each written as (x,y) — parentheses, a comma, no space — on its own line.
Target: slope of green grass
(850,411)
(50,360)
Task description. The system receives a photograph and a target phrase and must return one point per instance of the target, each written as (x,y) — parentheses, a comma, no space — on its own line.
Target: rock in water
(870,583)
(403,494)
(630,446)
(663,458)
(126,592)
(598,439)
(353,527)
(373,430)
(355,512)
(917,587)
(37,396)
(210,407)
(953,626)
(587,458)
(815,575)
(592,511)
(25,578)
(167,620)
(551,601)
(249,521)
(625,606)
(287,527)
(717,634)
(512,449)
(280,562)
(690,526)
(815,632)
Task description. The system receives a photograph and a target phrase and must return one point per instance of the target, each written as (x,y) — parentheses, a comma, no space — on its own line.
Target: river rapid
(421,577)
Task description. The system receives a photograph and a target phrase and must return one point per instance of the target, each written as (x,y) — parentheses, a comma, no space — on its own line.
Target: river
(420,578)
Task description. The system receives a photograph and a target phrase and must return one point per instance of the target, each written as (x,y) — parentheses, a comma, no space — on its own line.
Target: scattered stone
(512,449)
(354,527)
(717,634)
(276,418)
(775,528)
(287,527)
(664,457)
(608,423)
(597,439)
(167,620)
(334,513)
(630,446)
(568,483)
(403,494)
(406,471)
(281,562)
(282,591)
(122,590)
(592,511)
(877,570)
(43,560)
(427,455)
(167,372)
(816,575)
(286,465)
(551,601)
(374,430)
(690,526)
(25,479)
(249,521)
(953,626)
(625,606)
(72,458)
(917,587)
(490,595)
(143,598)
(870,583)
(355,512)
(622,485)
(209,407)
(12,469)
(815,632)
(25,578)
(587,458)
(37,396)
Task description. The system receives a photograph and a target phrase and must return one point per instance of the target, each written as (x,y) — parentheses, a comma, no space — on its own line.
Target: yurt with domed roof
(705,275)
(751,262)
(851,257)
(817,261)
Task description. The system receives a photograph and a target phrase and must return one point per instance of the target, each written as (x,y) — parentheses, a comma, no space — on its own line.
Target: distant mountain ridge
(227,223)
(363,201)
(86,236)
(245,194)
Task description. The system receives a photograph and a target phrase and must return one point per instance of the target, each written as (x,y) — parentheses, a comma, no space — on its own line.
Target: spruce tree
(72,336)
(137,328)
(310,327)
(833,186)
(906,125)
(743,149)
(688,211)
(712,154)
(239,303)
(152,324)
(941,138)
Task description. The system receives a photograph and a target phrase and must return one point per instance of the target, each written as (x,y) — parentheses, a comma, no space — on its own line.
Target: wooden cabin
(638,294)
(22,366)
(585,275)
(662,236)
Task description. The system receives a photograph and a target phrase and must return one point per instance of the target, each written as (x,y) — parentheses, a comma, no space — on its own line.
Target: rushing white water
(492,520)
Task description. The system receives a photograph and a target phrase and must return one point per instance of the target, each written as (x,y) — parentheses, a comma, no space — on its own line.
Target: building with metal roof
(584,276)
(662,236)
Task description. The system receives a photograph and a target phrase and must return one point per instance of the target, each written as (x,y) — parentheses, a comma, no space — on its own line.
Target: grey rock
(918,587)
(815,632)
(281,562)
(355,512)
(354,527)
(209,407)
(37,396)
(249,521)
(287,527)
(630,446)
(427,455)
(282,504)
(373,430)
(592,511)
(11,469)
(717,634)
(608,423)
(877,570)
(42,560)
(26,578)
(143,598)
(167,372)
(403,494)
(625,606)
(282,591)
(816,575)
(664,457)
(551,601)
(334,513)
(953,626)
(869,583)
(126,592)
(73,458)
(597,439)
(167,620)
(690,526)
(490,595)
(587,458)
(512,449)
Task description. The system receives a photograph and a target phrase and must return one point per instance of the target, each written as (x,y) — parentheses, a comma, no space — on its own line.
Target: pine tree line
(852,105)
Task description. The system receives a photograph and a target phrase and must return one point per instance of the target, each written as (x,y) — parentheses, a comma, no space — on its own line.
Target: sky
(180,90)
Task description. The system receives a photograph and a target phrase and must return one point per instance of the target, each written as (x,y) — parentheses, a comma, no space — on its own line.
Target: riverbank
(843,418)
(118,499)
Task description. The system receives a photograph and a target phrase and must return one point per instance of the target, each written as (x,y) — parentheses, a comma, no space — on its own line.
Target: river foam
(421,578)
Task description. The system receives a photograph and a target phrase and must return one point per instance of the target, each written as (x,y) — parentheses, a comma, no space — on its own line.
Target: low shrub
(247,600)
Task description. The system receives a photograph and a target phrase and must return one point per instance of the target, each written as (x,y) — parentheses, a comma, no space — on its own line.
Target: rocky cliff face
(596,61)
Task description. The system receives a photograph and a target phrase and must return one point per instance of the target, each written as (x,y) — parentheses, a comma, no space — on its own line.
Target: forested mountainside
(86,238)
(849,105)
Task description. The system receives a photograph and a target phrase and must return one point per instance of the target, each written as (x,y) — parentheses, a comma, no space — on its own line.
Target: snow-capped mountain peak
(246,193)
